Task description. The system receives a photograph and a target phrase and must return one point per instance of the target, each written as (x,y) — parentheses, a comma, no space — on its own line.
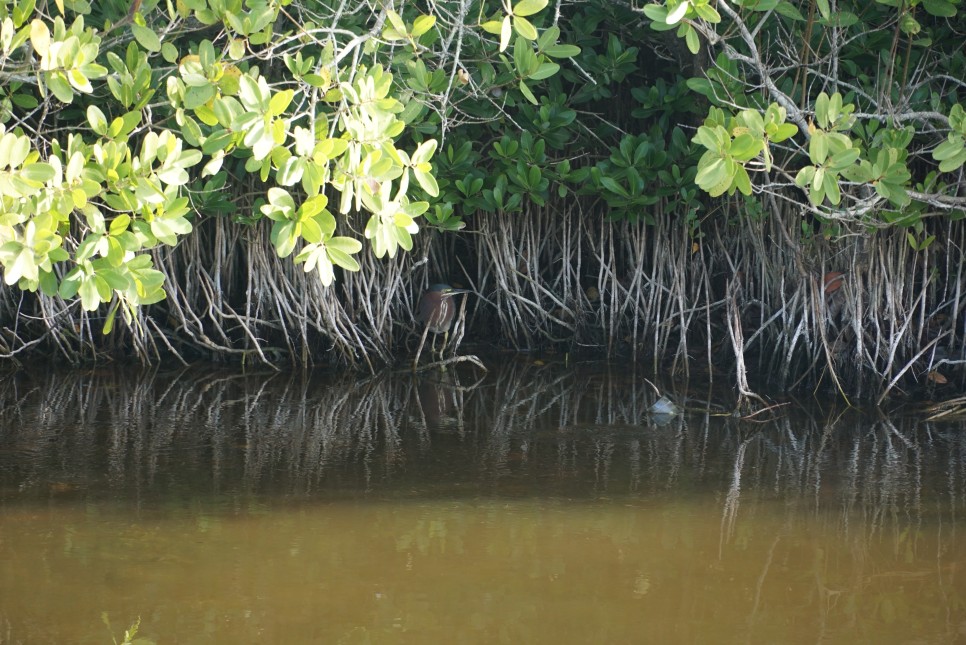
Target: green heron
(437,310)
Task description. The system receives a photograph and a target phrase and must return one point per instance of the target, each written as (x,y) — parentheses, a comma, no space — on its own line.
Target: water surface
(535,504)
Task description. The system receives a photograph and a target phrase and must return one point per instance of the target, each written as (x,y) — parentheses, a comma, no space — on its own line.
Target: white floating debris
(665,406)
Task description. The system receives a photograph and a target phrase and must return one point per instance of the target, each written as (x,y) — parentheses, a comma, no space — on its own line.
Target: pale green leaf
(146,37)
(529,7)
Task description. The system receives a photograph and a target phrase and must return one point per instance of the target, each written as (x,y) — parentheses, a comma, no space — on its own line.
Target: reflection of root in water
(730,513)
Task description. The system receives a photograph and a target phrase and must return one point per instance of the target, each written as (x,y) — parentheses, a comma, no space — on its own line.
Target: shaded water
(540,504)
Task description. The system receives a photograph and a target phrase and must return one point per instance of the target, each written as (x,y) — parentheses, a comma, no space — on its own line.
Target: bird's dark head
(445,289)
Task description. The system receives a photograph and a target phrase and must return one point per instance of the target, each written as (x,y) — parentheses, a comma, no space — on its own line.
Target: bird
(436,311)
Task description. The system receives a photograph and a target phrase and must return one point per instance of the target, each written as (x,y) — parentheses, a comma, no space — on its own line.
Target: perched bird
(437,310)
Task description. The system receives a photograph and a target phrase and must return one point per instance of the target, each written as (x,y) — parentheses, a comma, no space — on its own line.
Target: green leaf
(742,181)
(506,30)
(38,172)
(818,148)
(422,24)
(341,259)
(58,84)
(831,186)
(280,102)
(546,70)
(250,93)
(397,23)
(492,27)
(195,97)
(109,322)
(940,8)
(347,245)
(711,173)
(912,241)
(90,299)
(707,13)
(843,159)
(97,120)
(524,59)
(284,237)
(525,28)
(909,25)
(691,39)
(527,93)
(759,5)
(169,52)
(529,7)
(656,12)
(561,51)
(612,186)
(676,14)
(146,37)
(953,162)
(783,132)
(805,176)
(745,147)
(789,10)
(40,37)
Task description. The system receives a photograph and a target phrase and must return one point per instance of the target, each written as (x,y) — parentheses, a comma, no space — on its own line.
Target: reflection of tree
(523,429)
(838,511)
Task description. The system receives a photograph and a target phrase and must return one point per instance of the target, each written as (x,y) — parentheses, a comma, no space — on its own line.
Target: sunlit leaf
(677,14)
(529,7)
(146,37)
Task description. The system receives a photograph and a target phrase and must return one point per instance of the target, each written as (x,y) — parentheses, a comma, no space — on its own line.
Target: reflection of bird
(437,310)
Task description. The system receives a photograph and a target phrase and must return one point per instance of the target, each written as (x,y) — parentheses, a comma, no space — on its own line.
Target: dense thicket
(732,185)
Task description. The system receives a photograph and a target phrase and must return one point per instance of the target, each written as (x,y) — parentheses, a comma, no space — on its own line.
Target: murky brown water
(541,504)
